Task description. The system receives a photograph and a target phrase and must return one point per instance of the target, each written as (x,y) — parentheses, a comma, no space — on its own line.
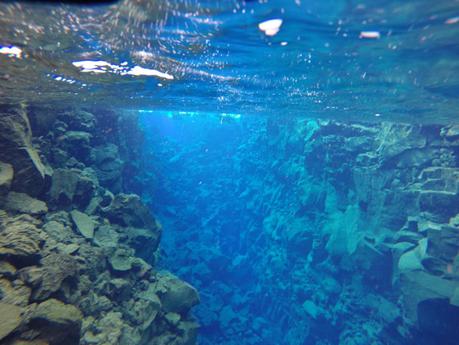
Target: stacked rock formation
(315,232)
(77,255)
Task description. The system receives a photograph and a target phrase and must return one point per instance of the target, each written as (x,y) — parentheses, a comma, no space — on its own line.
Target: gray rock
(108,166)
(178,296)
(23,203)
(84,224)
(72,186)
(128,210)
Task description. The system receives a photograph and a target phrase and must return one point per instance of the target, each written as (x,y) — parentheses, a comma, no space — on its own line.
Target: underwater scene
(229,172)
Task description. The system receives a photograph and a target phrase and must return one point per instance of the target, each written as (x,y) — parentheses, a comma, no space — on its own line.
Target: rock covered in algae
(176,295)
(84,224)
(21,240)
(48,277)
(23,203)
(10,319)
(59,322)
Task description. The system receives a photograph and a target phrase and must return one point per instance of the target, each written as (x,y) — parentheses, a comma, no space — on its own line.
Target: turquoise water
(345,59)
(301,156)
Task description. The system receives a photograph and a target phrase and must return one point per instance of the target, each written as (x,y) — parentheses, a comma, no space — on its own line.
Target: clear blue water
(285,166)
(322,62)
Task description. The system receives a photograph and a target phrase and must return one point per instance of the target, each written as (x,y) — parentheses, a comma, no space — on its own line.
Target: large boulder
(23,203)
(14,292)
(108,165)
(72,186)
(47,279)
(20,240)
(10,319)
(128,210)
(83,223)
(58,322)
(16,149)
(176,296)
(76,143)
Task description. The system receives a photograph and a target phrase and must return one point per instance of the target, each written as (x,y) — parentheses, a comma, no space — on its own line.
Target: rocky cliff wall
(77,250)
(314,232)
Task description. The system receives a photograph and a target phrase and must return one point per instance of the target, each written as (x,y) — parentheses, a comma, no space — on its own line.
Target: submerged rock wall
(314,232)
(77,251)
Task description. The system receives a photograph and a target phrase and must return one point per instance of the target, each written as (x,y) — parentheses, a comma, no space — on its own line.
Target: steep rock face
(16,148)
(76,266)
(297,231)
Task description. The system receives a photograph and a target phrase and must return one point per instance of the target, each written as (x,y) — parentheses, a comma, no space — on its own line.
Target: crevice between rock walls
(77,248)
(314,232)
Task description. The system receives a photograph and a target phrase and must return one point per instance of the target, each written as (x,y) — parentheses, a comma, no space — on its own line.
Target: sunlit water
(346,59)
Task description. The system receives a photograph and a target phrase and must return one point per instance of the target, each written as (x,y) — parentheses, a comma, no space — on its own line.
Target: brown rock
(48,278)
(16,149)
(14,292)
(57,322)
(10,319)
(21,240)
(23,203)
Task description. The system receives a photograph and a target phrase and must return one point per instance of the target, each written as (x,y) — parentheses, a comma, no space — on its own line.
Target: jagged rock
(412,260)
(128,210)
(16,149)
(23,203)
(20,240)
(440,205)
(58,322)
(72,186)
(6,177)
(419,286)
(7,270)
(109,166)
(79,120)
(398,138)
(47,279)
(107,330)
(120,289)
(84,224)
(177,296)
(106,236)
(121,260)
(144,241)
(94,304)
(10,319)
(14,292)
(143,312)
(77,143)
(58,231)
